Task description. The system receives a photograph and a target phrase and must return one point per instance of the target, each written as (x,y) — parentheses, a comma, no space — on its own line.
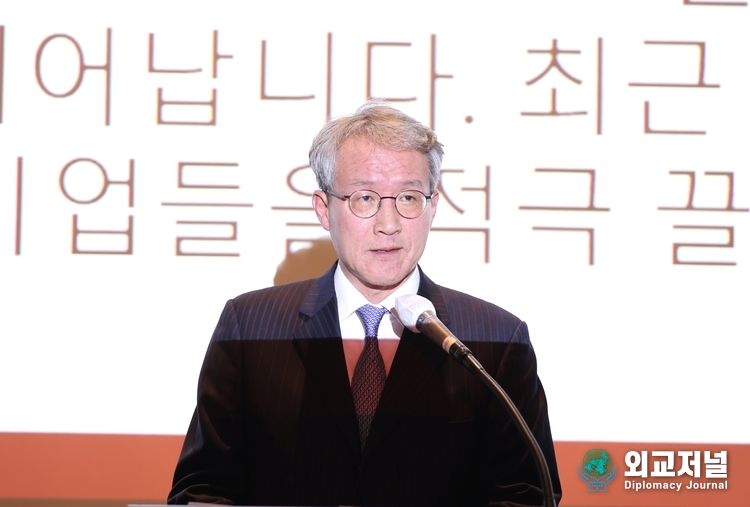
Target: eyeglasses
(366,203)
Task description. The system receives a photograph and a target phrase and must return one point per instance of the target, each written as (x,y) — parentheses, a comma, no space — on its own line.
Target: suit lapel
(417,363)
(318,343)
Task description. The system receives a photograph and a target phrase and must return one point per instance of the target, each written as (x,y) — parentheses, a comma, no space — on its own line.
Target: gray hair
(381,124)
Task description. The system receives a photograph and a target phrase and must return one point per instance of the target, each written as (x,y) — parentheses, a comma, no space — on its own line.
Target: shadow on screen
(309,262)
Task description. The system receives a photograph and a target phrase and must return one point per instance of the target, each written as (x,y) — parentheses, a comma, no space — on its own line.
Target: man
(289,413)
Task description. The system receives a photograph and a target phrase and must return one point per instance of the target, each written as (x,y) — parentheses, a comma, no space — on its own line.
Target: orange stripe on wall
(72,466)
(575,491)
(66,466)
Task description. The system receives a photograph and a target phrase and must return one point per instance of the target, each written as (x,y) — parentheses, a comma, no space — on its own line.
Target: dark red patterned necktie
(369,374)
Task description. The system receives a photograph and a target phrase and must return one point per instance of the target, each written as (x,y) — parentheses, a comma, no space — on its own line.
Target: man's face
(376,254)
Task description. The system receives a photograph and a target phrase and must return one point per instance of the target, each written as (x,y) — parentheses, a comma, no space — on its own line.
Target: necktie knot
(370,316)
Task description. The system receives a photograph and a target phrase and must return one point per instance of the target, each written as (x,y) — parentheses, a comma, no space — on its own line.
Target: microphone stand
(464,356)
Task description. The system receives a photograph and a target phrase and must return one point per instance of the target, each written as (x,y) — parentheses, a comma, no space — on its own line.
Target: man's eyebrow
(359,183)
(408,184)
(415,183)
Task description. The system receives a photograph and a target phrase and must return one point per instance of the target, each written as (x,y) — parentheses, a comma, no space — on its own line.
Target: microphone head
(410,308)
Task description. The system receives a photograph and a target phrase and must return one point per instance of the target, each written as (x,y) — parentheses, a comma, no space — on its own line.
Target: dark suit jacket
(275,421)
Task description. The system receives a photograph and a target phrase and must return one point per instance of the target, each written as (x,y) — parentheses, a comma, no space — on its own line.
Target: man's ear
(320,205)
(433,204)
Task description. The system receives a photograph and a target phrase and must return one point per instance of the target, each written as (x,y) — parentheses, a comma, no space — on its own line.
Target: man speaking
(313,393)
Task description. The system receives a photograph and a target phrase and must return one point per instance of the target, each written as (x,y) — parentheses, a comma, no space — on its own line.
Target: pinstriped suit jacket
(275,421)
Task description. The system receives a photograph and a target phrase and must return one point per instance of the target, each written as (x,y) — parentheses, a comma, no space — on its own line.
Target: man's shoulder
(467,312)
(275,310)
(272,295)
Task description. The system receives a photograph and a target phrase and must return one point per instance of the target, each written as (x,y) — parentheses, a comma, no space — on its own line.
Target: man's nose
(388,219)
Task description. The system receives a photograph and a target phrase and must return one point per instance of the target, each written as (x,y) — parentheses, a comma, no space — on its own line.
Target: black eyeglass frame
(427,198)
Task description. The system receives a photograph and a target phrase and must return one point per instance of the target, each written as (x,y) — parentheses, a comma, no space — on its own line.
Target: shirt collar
(349,298)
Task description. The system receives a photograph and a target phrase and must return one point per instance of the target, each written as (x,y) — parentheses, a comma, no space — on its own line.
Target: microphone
(418,314)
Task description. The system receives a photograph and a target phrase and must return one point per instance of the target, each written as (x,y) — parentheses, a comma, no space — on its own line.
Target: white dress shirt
(352,330)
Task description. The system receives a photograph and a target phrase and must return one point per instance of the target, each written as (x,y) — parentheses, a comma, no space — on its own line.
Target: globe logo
(597,462)
(597,470)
